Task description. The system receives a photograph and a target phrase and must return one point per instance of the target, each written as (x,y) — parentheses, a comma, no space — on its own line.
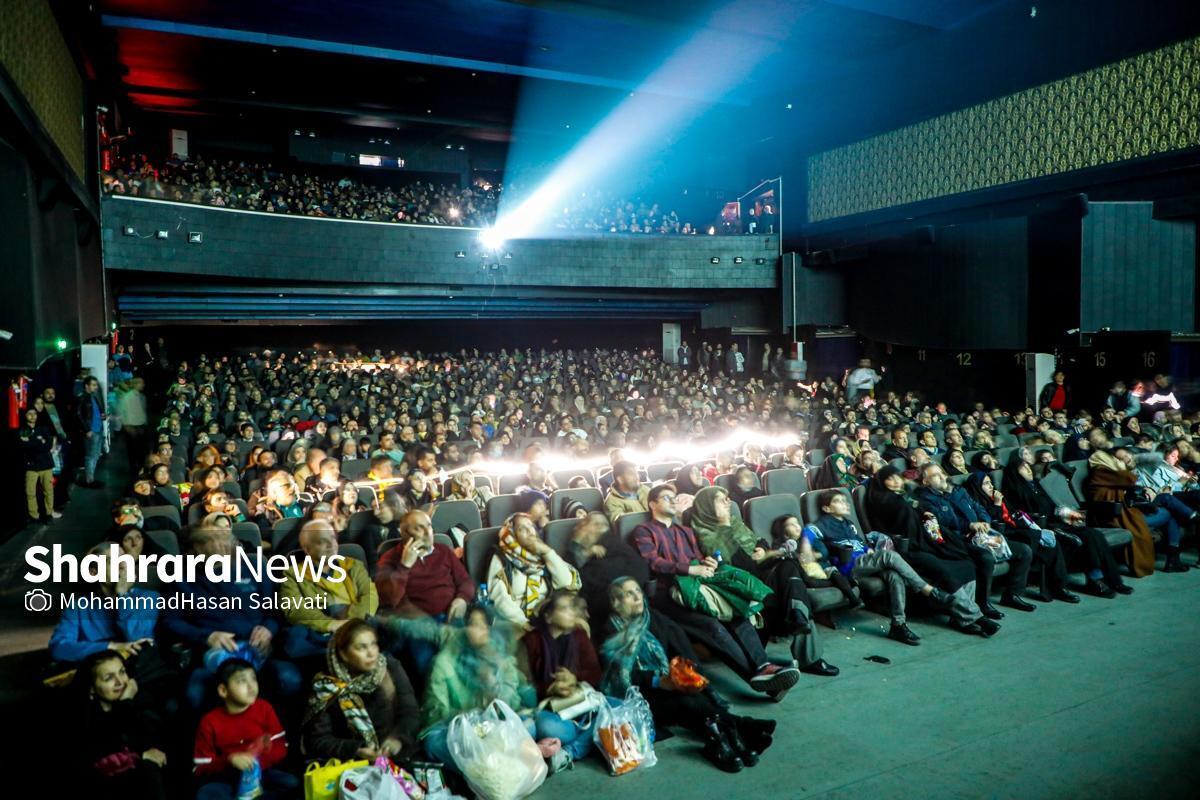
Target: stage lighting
(715,260)
(161,234)
(738,259)
(491,239)
(459,254)
(508,256)
(195,237)
(129,231)
(452,213)
(61,344)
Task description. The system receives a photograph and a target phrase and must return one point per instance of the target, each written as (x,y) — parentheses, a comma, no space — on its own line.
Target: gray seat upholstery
(445,514)
(662,470)
(478,548)
(500,507)
(510,483)
(282,529)
(563,477)
(785,481)
(588,497)
(355,551)
(248,534)
(169,512)
(167,541)
(1059,491)
(558,535)
(627,522)
(356,468)
(729,480)
(761,512)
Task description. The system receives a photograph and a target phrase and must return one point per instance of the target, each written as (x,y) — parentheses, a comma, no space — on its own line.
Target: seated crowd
(693,508)
(255,186)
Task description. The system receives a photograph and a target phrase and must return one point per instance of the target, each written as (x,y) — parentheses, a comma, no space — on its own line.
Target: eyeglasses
(669,498)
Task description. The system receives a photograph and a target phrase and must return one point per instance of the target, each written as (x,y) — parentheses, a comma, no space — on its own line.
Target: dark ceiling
(463,64)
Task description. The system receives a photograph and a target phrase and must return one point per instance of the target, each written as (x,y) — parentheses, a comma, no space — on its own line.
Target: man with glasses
(670,550)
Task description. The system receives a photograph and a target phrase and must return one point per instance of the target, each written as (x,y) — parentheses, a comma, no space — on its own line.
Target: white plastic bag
(369,783)
(625,734)
(496,754)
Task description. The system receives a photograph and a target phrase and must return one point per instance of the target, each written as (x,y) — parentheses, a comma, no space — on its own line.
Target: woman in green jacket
(788,608)
(474,667)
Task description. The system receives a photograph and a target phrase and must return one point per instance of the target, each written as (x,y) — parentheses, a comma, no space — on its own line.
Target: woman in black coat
(1091,554)
(946,564)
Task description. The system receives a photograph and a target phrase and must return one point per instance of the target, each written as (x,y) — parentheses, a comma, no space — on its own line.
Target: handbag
(579,702)
(321,779)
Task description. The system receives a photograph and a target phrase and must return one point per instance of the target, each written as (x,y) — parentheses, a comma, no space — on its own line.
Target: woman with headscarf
(1109,481)
(789,609)
(954,463)
(946,564)
(1042,541)
(1092,554)
(474,667)
(524,571)
(363,706)
(415,490)
(745,487)
(639,653)
(836,471)
(984,462)
(557,656)
(463,487)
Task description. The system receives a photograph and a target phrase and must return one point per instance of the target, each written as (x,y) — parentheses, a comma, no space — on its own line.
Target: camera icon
(38,600)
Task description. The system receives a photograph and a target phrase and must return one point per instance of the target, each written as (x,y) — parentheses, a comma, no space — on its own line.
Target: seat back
(563,477)
(248,534)
(443,538)
(816,457)
(810,507)
(478,548)
(997,478)
(627,522)
(1079,479)
(445,514)
(168,512)
(558,535)
(729,480)
(1056,486)
(233,489)
(500,507)
(761,512)
(859,494)
(1003,454)
(358,523)
(356,468)
(589,497)
(172,494)
(958,480)
(167,541)
(662,470)
(282,529)
(510,483)
(355,551)
(785,481)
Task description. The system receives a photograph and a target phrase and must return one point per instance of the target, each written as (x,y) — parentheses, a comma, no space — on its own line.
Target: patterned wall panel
(36,58)
(1142,106)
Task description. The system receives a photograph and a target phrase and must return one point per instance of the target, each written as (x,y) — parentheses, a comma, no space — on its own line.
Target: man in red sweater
(239,738)
(418,578)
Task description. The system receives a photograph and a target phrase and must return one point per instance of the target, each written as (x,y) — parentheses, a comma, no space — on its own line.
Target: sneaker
(773,678)
(56,514)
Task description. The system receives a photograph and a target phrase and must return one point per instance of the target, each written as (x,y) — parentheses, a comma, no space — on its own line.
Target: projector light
(195,237)
(491,239)
(129,231)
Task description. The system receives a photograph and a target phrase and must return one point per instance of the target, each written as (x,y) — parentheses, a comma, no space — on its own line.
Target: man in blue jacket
(956,511)
(224,622)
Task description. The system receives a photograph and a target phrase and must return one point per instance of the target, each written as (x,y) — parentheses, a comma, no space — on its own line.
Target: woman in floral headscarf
(524,571)
(364,705)
(834,473)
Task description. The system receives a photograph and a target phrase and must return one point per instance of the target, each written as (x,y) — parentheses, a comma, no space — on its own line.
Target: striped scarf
(537,588)
(337,685)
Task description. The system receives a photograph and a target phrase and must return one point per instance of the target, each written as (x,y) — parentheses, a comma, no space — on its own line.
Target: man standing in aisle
(862,380)
(91,420)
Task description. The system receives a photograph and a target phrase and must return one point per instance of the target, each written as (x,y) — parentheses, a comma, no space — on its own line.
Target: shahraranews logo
(117,566)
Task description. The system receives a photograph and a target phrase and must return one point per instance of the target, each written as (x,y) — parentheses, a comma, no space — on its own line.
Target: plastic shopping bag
(625,734)
(495,753)
(369,783)
(321,780)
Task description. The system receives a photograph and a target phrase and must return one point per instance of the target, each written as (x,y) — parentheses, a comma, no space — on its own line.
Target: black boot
(718,750)
(758,734)
(1173,564)
(745,752)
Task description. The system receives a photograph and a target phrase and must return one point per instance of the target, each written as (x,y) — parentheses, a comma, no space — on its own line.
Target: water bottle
(481,596)
(717,556)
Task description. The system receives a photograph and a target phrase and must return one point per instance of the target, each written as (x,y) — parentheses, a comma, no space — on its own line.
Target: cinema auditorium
(451,399)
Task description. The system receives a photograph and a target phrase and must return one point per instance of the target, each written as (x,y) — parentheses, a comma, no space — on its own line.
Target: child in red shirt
(240,738)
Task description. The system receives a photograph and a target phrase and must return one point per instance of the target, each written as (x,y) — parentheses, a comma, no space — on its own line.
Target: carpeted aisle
(1098,700)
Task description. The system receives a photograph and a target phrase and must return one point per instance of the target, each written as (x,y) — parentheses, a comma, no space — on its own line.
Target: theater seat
(588,497)
(661,471)
(445,514)
(510,483)
(501,507)
(785,481)
(478,548)
(627,522)
(563,477)
(558,535)
(1059,490)
(761,512)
